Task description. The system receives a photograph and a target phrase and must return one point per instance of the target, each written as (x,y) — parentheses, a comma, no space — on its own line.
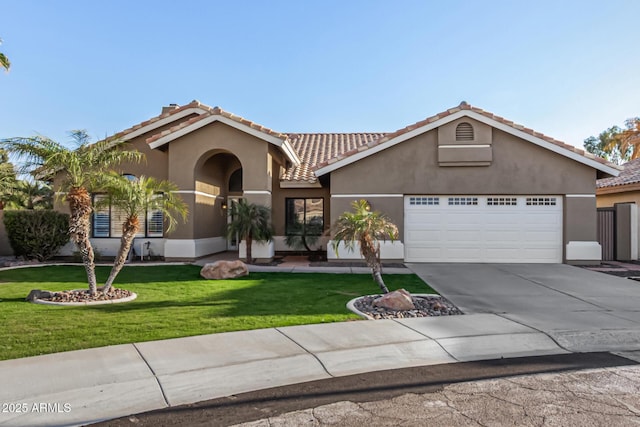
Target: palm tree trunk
(249,254)
(129,231)
(372,257)
(79,227)
(377,277)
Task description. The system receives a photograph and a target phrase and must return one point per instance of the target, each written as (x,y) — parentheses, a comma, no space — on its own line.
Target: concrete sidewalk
(87,386)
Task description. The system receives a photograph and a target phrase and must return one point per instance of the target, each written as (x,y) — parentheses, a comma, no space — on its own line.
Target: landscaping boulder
(38,294)
(224,270)
(396,300)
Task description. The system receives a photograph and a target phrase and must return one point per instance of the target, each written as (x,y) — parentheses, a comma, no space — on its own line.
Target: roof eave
(299,184)
(621,188)
(162,122)
(279,142)
(476,116)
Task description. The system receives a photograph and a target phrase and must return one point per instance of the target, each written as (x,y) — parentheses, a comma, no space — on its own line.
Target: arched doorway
(218,183)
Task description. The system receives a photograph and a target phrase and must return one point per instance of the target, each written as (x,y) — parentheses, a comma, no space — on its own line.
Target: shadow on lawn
(76,273)
(165,288)
(263,298)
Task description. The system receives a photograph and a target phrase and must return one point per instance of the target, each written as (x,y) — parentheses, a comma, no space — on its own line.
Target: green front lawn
(173,301)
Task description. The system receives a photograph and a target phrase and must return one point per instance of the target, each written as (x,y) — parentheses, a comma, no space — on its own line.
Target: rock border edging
(79,304)
(352,307)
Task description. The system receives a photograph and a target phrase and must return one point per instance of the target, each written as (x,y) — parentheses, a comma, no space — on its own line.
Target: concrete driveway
(580,309)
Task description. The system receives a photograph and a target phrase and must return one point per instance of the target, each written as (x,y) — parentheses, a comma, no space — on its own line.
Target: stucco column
(581,229)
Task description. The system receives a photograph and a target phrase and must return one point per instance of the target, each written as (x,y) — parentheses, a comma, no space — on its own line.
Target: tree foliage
(136,197)
(4,61)
(36,234)
(7,178)
(251,223)
(30,195)
(76,172)
(616,144)
(367,229)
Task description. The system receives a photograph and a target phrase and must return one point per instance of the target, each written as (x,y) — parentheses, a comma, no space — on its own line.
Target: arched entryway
(218,183)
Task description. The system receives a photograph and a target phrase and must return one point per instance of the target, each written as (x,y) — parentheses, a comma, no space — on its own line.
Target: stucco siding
(608,200)
(411,167)
(188,153)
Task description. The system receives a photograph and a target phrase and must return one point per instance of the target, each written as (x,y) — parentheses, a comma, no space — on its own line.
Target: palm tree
(250,222)
(31,195)
(136,197)
(77,170)
(7,178)
(366,228)
(4,61)
(629,138)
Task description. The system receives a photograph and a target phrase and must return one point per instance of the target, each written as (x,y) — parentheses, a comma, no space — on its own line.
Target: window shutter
(101,217)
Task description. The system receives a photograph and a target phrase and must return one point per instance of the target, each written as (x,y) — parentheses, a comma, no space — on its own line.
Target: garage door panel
(486,232)
(424,253)
(462,219)
(540,236)
(423,235)
(462,254)
(467,235)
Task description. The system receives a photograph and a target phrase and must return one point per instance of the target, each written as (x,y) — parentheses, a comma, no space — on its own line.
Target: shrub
(36,234)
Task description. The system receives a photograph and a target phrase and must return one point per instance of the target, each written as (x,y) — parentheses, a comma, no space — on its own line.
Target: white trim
(388,250)
(356,196)
(257,192)
(162,122)
(199,193)
(194,248)
(476,116)
(283,144)
(259,250)
(580,195)
(465,146)
(583,251)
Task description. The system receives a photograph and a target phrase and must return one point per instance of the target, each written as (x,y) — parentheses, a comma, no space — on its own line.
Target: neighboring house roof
(630,175)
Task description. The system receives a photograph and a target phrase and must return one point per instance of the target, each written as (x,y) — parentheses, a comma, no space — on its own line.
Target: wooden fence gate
(607,233)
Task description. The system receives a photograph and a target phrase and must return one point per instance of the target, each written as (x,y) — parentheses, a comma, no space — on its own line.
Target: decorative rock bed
(81,297)
(426,305)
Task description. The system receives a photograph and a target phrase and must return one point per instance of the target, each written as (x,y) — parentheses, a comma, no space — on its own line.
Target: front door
(232,244)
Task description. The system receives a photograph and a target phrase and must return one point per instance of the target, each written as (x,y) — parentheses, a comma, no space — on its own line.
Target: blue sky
(567,68)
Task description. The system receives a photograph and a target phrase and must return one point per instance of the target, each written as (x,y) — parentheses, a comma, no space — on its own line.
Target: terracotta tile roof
(215,111)
(317,148)
(464,106)
(192,104)
(630,175)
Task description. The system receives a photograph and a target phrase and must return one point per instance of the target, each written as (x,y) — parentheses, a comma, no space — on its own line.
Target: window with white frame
(108,220)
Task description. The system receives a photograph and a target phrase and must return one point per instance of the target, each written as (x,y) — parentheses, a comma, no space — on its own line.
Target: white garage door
(483,229)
